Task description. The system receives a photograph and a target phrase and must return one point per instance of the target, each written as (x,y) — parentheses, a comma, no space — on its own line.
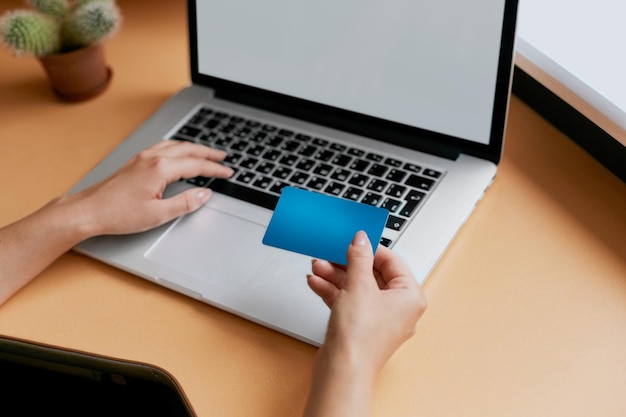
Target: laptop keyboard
(267,157)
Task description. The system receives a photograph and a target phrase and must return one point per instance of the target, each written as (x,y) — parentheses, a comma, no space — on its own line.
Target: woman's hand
(131,200)
(375,303)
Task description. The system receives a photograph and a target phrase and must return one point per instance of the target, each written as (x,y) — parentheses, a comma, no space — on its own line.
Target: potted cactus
(65,35)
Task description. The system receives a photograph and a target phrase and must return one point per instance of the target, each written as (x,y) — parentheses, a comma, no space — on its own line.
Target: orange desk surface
(527,308)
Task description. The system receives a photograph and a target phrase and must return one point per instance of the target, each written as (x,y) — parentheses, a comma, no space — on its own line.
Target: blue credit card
(321,226)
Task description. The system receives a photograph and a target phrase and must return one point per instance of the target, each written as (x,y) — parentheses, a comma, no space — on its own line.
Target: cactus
(31,32)
(56,8)
(57,26)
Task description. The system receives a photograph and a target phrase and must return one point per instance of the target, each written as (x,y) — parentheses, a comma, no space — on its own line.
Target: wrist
(342,384)
(70,214)
(351,364)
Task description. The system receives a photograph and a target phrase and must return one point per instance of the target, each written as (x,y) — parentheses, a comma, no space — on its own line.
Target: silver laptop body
(419,85)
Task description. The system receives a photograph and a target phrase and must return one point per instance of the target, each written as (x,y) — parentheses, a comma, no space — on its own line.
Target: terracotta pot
(78,75)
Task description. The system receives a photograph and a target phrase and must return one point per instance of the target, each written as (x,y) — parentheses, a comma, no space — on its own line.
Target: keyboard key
(337,147)
(323,169)
(258,137)
(278,187)
(334,188)
(308,150)
(263,182)
(391,205)
(372,199)
(265,167)
(415,195)
(396,175)
(385,241)
(353,193)
(189,131)
(396,190)
(232,158)
(378,170)
(255,150)
(240,145)
(356,152)
(227,128)
(409,208)
(340,174)
(275,141)
(245,177)
(305,164)
(324,155)
(291,145)
(243,132)
(317,183)
(374,157)
(196,120)
(432,173)
(359,179)
(248,163)
(272,155)
(223,142)
(377,185)
(299,178)
(420,182)
(359,165)
(211,123)
(288,159)
(282,172)
(320,142)
(342,160)
(412,167)
(207,137)
(395,223)
(393,162)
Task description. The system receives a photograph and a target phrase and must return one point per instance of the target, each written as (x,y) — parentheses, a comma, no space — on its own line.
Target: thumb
(184,203)
(360,261)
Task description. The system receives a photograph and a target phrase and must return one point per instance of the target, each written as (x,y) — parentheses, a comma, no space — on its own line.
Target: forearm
(342,386)
(29,245)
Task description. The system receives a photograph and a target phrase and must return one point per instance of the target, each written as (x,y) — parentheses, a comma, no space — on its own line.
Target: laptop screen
(430,64)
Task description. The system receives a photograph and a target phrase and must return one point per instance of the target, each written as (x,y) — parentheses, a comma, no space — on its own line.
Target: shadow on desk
(582,188)
(42,380)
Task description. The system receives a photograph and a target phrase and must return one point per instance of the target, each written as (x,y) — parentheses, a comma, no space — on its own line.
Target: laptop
(43,379)
(400,104)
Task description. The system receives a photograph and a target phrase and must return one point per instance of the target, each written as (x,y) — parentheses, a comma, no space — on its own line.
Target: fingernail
(360,239)
(203,196)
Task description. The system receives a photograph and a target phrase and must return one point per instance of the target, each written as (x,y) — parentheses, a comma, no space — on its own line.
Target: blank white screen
(425,63)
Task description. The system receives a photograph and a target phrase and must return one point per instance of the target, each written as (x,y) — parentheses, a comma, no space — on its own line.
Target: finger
(390,266)
(175,149)
(330,272)
(175,168)
(179,205)
(326,290)
(164,143)
(360,261)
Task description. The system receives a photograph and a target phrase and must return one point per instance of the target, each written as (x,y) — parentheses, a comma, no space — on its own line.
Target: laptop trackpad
(212,245)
